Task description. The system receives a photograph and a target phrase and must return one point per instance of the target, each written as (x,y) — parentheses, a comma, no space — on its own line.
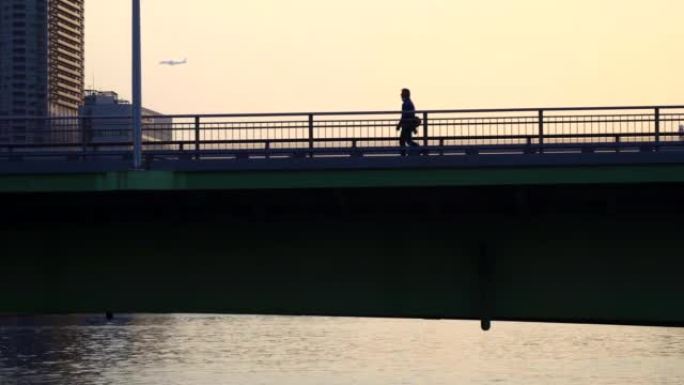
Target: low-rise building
(107,119)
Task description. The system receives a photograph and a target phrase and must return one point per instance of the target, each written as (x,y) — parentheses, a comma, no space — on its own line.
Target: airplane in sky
(173,62)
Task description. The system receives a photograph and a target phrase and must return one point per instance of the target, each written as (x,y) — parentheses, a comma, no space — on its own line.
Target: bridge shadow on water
(567,253)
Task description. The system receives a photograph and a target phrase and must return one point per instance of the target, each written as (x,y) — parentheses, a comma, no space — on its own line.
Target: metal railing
(348,134)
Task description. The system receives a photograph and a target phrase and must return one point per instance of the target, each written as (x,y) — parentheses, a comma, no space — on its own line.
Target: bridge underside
(568,252)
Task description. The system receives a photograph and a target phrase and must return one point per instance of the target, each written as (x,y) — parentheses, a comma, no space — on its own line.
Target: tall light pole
(137,88)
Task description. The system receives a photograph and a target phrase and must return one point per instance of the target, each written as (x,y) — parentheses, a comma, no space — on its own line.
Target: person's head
(405,94)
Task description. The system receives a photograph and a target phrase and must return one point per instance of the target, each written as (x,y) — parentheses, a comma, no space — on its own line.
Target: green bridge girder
(555,244)
(241,180)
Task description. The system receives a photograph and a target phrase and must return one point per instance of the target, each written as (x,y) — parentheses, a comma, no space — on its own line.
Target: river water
(256,350)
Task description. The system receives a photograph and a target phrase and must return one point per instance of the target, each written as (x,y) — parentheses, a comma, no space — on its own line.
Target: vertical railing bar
(541,131)
(657,128)
(311,135)
(197,137)
(425,130)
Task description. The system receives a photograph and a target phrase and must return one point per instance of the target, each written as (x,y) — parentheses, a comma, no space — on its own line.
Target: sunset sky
(321,55)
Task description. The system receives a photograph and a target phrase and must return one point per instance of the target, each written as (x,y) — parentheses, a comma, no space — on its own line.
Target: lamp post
(137,88)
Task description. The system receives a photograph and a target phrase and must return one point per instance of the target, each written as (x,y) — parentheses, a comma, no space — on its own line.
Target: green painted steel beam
(236,180)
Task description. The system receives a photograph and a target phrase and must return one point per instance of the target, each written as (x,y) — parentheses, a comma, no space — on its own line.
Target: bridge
(554,215)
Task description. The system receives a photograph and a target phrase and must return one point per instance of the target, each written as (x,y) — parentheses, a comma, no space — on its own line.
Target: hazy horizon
(306,55)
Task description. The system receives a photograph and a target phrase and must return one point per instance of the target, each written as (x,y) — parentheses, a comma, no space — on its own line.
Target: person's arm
(413,117)
(407,111)
(403,107)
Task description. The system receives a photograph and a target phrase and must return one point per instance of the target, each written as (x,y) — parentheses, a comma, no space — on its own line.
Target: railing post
(426,128)
(541,131)
(528,149)
(311,135)
(657,127)
(197,137)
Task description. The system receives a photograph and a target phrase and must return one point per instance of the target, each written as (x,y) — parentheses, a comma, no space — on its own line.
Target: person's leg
(410,141)
(403,140)
(409,137)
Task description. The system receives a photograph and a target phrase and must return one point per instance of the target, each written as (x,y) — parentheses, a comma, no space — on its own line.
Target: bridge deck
(491,170)
(570,215)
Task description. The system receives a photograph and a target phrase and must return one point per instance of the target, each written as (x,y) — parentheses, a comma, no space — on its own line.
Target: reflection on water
(249,350)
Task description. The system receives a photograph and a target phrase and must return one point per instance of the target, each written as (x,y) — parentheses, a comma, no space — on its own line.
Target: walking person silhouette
(408,123)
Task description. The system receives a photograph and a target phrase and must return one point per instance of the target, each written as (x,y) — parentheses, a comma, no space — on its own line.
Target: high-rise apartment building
(41,57)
